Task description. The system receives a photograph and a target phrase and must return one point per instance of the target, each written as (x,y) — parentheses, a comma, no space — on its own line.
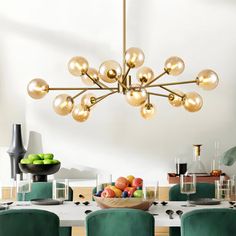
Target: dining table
(71,214)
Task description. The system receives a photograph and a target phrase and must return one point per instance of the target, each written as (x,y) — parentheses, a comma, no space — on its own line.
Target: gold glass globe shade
(134,57)
(110,71)
(148,111)
(63,104)
(93,73)
(175,100)
(80,113)
(145,75)
(78,66)
(207,79)
(192,102)
(88,99)
(37,88)
(136,96)
(174,66)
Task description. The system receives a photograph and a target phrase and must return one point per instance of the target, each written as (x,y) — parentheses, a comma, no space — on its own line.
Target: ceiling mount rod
(124,36)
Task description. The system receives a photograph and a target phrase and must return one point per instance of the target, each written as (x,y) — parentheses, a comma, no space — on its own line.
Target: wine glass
(23,184)
(60,190)
(188,186)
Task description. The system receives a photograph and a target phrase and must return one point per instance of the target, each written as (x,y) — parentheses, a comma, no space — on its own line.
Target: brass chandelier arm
(158,77)
(171,91)
(173,83)
(100,86)
(78,94)
(158,94)
(52,89)
(126,74)
(101,98)
(122,85)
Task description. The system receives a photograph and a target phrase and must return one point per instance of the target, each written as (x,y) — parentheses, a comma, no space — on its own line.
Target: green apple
(34,157)
(48,156)
(41,155)
(47,161)
(55,161)
(138,193)
(38,162)
(26,161)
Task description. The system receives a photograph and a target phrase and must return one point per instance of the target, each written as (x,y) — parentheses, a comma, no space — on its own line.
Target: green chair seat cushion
(120,222)
(209,222)
(28,222)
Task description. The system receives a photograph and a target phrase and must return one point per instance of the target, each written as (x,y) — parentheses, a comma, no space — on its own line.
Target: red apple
(121,183)
(130,191)
(137,182)
(108,193)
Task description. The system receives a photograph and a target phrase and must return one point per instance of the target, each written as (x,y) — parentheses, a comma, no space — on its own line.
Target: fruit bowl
(135,203)
(40,171)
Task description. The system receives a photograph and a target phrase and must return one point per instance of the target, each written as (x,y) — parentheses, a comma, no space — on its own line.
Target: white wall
(37,38)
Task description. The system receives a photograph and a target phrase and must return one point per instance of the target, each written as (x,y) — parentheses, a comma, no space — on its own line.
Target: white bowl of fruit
(125,193)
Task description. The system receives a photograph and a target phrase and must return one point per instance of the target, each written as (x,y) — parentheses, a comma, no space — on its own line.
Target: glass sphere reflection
(207,79)
(134,57)
(148,111)
(88,99)
(145,75)
(93,73)
(110,71)
(192,102)
(37,88)
(136,96)
(174,66)
(63,104)
(80,113)
(78,66)
(175,100)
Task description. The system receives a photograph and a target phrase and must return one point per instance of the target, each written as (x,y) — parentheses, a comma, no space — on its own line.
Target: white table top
(73,215)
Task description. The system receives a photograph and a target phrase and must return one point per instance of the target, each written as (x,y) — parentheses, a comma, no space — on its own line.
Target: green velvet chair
(209,222)
(120,222)
(44,190)
(28,222)
(203,190)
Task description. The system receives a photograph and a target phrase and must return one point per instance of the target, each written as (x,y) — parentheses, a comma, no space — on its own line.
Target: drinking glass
(102,181)
(23,184)
(222,189)
(181,166)
(188,186)
(151,192)
(60,190)
(216,165)
(7,191)
(233,189)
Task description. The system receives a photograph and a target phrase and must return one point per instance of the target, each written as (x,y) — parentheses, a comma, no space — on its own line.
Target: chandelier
(138,91)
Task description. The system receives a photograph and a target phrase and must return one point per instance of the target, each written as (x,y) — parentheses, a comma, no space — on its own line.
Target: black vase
(16,150)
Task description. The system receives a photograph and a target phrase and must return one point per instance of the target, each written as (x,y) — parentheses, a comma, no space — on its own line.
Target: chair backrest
(207,222)
(28,222)
(203,190)
(41,190)
(120,222)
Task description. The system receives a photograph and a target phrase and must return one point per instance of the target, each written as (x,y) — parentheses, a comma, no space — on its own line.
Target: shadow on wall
(34,143)
(80,173)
